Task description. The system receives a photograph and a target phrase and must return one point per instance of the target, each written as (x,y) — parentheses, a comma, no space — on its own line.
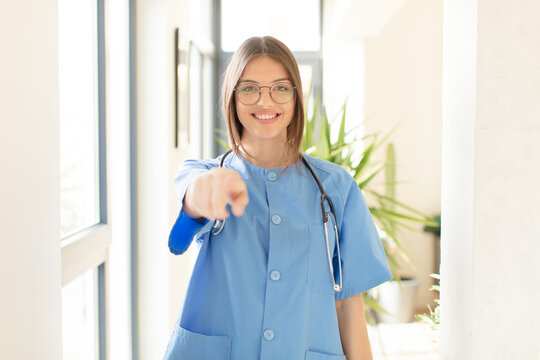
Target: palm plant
(433,318)
(389,214)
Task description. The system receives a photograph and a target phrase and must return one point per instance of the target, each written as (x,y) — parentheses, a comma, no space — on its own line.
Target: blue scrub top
(262,288)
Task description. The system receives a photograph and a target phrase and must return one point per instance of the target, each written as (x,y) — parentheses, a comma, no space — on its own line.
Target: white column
(30,276)
(491,152)
(159,273)
(154,113)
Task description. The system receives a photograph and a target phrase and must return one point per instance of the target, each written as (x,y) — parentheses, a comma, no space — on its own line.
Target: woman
(271,281)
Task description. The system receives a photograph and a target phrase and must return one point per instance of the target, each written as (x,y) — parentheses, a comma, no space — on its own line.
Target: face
(266,119)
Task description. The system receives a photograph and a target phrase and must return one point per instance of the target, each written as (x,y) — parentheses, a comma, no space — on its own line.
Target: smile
(265,116)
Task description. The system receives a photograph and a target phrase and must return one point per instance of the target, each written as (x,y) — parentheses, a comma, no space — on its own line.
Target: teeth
(265,117)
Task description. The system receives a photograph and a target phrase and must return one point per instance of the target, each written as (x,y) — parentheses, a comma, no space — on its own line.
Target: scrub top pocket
(319,276)
(189,345)
(313,355)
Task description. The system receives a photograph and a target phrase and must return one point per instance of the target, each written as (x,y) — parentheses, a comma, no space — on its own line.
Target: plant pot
(398,299)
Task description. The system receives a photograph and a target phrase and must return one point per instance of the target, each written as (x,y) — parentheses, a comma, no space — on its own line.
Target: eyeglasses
(249,93)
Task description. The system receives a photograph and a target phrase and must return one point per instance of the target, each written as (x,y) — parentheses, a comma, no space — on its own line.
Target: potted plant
(433,318)
(434,314)
(397,296)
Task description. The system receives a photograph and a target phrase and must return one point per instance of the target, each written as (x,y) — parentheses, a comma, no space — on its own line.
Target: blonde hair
(275,49)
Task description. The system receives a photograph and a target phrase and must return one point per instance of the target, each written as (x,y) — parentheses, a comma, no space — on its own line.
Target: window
(202,92)
(241,20)
(79,115)
(84,232)
(201,99)
(296,23)
(80,317)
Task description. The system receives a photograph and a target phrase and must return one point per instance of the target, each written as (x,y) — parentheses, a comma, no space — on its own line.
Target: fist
(209,194)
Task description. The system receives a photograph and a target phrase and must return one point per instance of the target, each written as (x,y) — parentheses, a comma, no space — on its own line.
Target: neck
(267,154)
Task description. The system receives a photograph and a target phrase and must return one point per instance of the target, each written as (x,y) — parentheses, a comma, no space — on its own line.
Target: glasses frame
(269,92)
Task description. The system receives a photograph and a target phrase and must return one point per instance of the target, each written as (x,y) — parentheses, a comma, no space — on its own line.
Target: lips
(266,118)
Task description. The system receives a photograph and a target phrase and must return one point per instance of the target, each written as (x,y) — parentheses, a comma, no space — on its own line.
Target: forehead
(264,69)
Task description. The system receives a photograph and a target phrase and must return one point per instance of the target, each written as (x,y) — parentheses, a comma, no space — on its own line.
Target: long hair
(275,49)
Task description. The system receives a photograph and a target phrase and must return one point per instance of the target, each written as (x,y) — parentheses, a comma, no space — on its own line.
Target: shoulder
(200,164)
(328,169)
(333,174)
(191,167)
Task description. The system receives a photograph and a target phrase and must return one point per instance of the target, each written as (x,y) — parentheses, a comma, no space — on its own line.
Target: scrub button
(275,275)
(276,219)
(272,176)
(268,334)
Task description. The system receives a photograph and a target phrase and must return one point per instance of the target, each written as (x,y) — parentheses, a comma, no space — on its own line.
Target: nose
(265,99)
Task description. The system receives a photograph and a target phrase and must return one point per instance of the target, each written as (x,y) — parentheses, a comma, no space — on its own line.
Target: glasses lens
(248,94)
(282,92)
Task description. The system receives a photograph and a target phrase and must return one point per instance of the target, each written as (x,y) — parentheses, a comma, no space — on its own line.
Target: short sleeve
(363,259)
(185,228)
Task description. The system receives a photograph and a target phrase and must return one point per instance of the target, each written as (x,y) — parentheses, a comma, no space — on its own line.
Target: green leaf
(362,182)
(397,215)
(380,196)
(339,150)
(362,165)
(222,138)
(322,142)
(341,135)
(390,173)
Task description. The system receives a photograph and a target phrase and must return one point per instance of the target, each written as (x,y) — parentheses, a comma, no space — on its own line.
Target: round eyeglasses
(249,93)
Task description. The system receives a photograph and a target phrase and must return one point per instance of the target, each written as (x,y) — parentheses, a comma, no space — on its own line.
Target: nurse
(272,280)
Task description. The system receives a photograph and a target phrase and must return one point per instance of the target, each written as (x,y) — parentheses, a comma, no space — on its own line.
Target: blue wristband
(183,231)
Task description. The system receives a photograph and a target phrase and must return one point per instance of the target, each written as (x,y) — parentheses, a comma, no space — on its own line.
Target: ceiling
(360,18)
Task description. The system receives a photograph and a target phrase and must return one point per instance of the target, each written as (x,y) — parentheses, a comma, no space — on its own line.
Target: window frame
(203,145)
(92,243)
(89,248)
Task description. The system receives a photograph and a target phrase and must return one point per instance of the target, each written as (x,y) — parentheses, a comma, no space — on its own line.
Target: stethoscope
(219,224)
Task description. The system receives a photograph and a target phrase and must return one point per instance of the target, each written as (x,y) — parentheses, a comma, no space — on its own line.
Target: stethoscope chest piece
(218,226)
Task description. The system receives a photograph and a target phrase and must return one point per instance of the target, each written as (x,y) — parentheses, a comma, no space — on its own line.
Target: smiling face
(266,119)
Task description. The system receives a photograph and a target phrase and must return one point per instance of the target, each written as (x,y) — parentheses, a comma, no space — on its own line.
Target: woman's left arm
(353,328)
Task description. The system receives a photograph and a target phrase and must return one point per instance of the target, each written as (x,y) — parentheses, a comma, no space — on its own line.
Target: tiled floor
(406,341)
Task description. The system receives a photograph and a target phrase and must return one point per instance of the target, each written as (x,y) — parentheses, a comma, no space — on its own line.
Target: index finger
(237,194)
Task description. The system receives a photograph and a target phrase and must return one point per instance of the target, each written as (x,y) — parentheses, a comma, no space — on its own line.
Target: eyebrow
(256,82)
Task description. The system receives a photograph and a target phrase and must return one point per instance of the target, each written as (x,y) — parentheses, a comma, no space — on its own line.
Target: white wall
(153,73)
(30,274)
(491,228)
(162,277)
(403,65)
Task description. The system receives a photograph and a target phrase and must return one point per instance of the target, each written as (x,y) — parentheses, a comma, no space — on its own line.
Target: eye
(282,87)
(249,88)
